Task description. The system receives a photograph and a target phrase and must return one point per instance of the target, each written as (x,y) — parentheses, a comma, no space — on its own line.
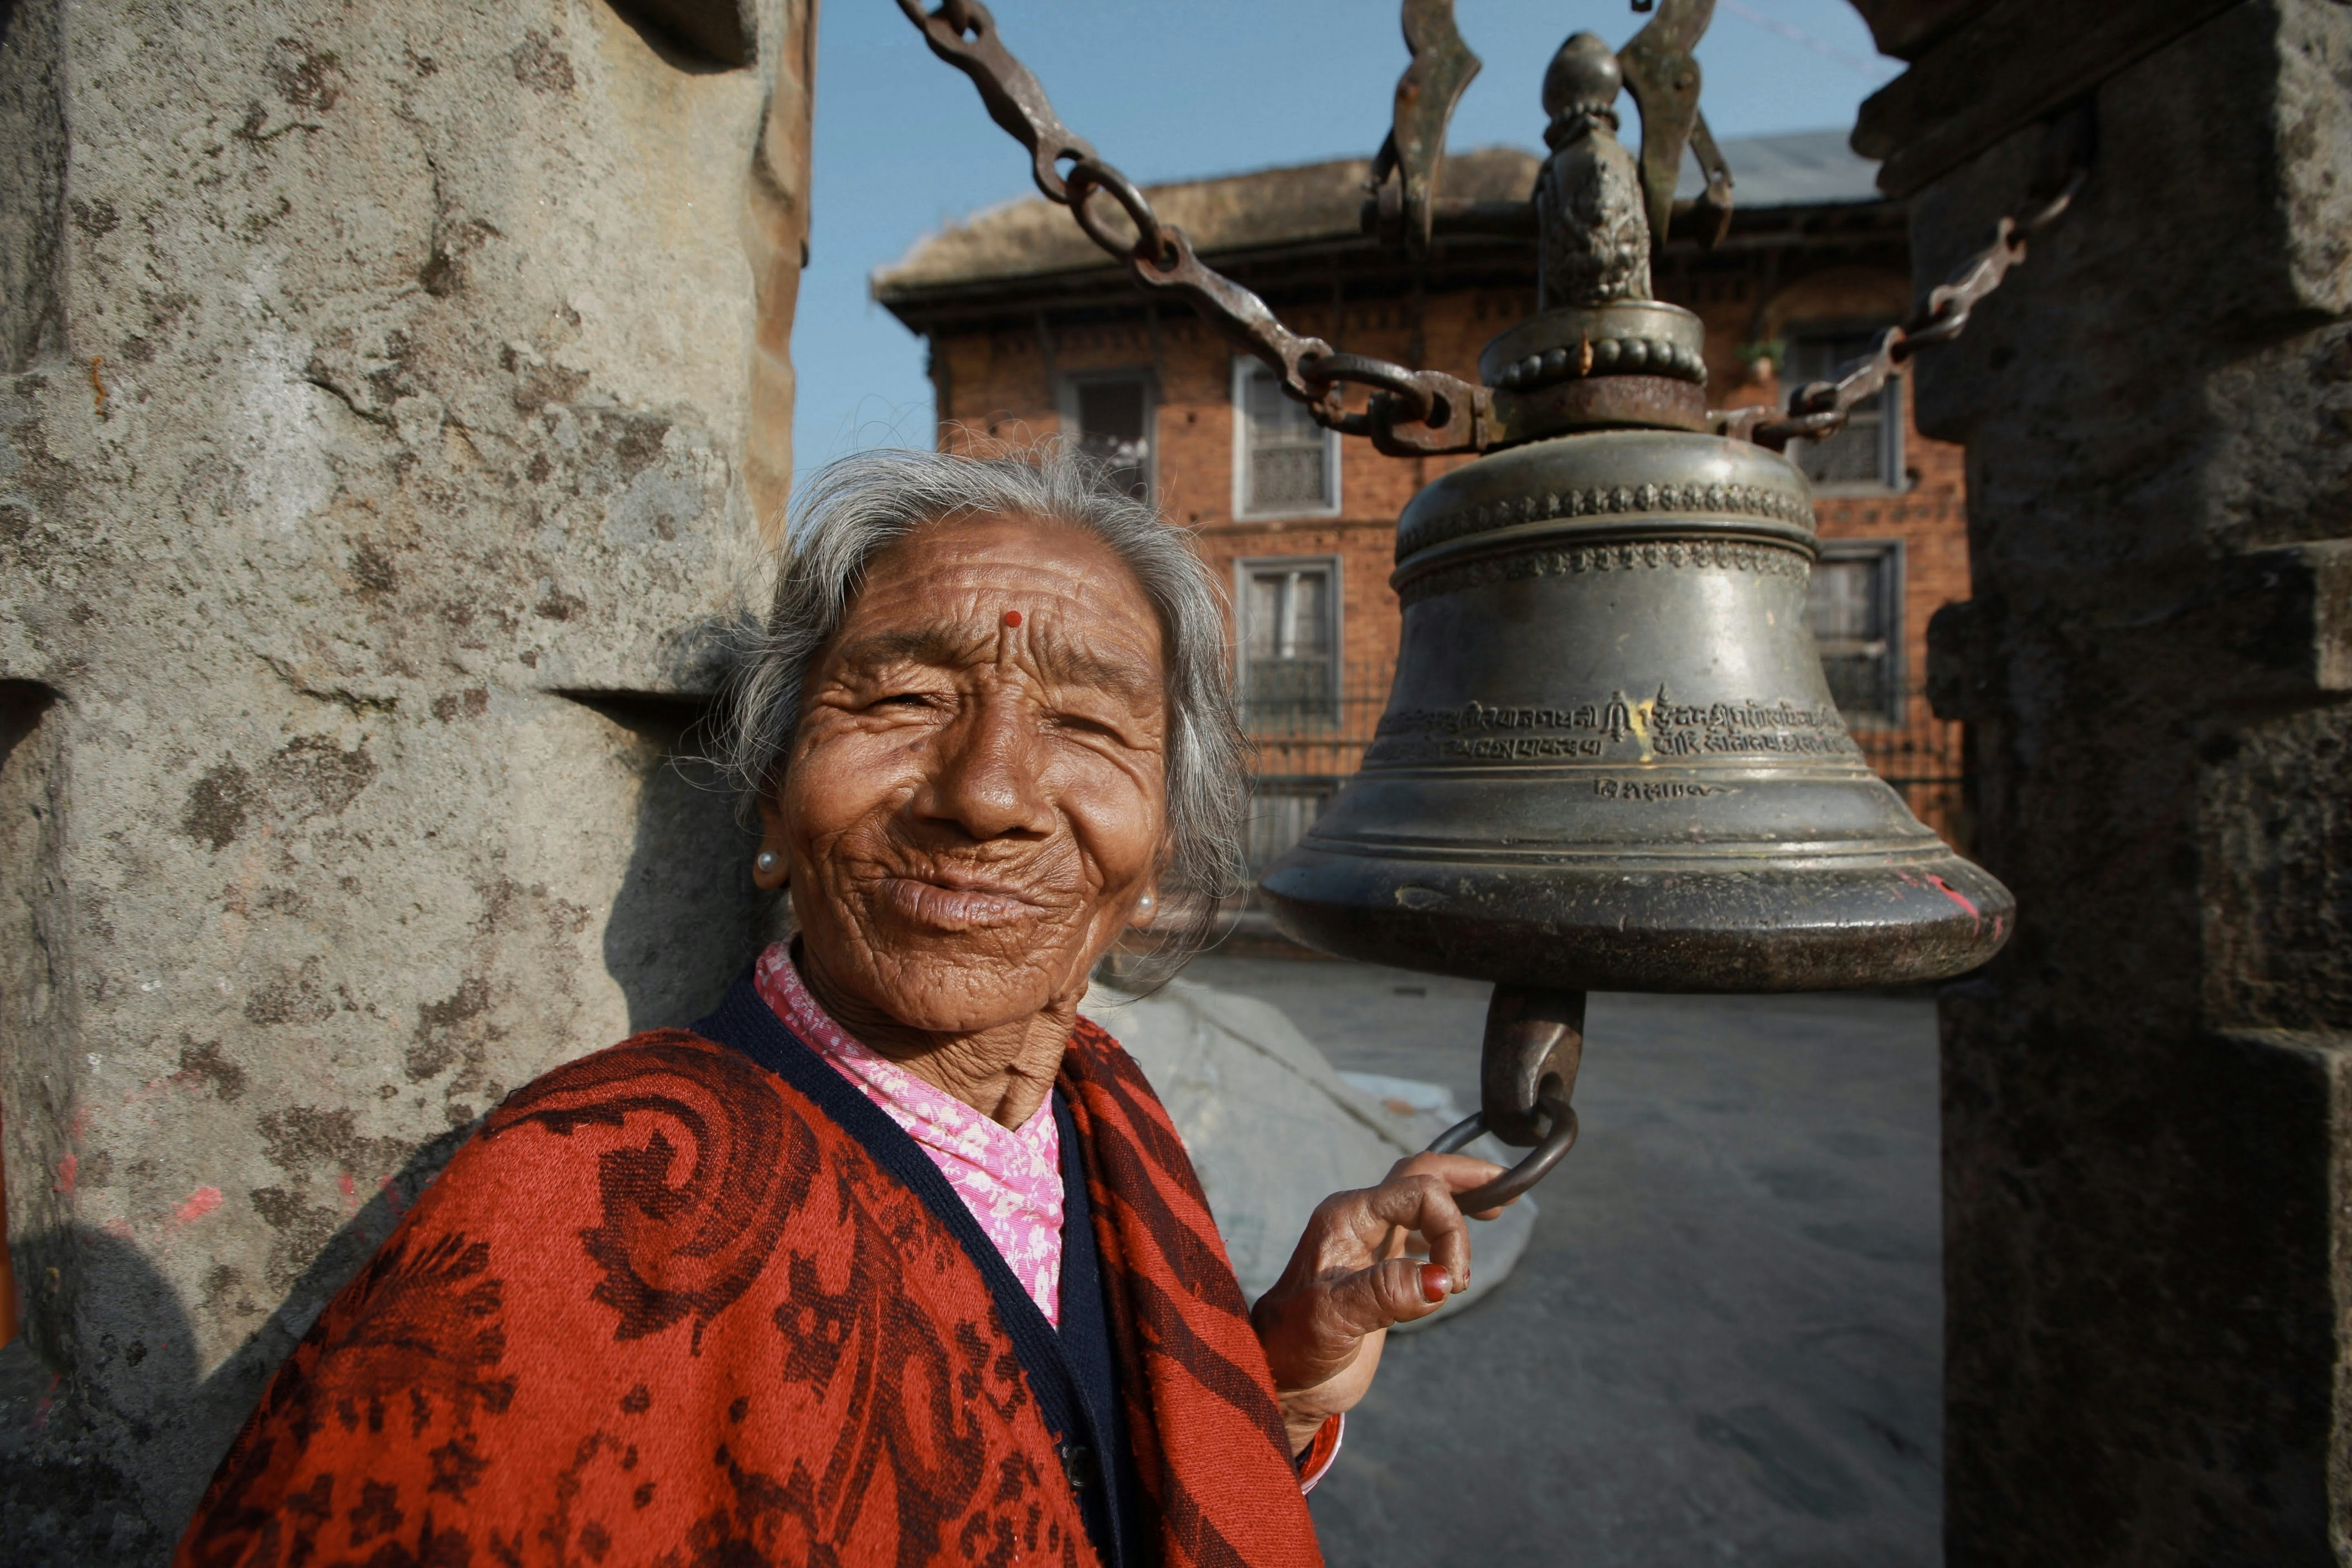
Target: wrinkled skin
(972,811)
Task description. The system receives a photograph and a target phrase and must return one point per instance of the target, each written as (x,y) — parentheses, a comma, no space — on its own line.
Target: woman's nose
(986,780)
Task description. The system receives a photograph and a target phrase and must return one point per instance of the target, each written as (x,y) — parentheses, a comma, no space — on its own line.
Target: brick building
(1032,333)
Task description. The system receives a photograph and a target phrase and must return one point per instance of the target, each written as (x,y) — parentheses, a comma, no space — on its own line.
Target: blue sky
(1180,88)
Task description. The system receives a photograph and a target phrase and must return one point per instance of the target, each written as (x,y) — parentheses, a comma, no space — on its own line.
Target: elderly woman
(894,1258)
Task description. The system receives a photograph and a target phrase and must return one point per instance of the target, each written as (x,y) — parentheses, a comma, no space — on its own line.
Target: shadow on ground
(1724,1344)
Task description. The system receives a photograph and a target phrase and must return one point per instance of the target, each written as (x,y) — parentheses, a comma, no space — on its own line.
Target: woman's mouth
(964,905)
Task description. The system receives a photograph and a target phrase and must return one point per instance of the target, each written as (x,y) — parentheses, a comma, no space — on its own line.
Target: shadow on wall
(86,1478)
(104,1461)
(687,920)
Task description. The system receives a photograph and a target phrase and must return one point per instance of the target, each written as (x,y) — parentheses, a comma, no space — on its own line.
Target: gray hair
(854,509)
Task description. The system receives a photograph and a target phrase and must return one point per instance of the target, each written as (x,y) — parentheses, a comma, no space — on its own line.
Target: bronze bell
(1610,759)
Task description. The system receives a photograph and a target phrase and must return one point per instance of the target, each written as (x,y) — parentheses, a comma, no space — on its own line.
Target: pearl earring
(767,861)
(1144,903)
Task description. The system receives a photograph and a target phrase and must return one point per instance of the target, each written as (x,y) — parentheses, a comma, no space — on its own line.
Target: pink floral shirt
(1011,1181)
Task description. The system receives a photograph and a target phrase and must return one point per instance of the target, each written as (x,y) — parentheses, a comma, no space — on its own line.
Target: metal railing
(1310,737)
(1314,730)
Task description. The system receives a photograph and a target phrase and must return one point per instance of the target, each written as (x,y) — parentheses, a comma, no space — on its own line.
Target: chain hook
(1416,400)
(1527,1066)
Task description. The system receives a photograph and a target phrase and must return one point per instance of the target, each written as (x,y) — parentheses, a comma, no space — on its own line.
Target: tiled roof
(1300,204)
(1802,169)
(1307,203)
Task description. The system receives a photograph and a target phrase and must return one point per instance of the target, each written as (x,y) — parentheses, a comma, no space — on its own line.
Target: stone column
(2147,1097)
(373,499)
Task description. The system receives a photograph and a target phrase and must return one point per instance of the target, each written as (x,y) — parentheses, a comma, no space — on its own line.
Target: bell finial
(1593,240)
(1582,82)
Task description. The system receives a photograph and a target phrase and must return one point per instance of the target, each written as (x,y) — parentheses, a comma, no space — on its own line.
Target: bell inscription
(1654,789)
(1657,727)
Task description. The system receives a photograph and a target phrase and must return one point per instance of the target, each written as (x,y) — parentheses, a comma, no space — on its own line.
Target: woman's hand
(1324,1320)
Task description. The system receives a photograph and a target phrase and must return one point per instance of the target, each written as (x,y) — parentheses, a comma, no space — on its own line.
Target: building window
(1855,607)
(1868,453)
(1285,464)
(1289,614)
(1111,416)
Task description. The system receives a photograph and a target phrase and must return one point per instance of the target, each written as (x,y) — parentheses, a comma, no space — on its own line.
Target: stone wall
(2146,1102)
(372,500)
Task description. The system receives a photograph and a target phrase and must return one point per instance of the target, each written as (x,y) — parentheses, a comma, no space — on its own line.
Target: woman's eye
(1078,723)
(905,700)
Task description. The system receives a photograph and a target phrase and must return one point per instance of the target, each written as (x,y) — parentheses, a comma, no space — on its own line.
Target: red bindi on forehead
(1012,618)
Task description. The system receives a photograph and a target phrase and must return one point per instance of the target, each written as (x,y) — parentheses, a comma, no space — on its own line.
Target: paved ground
(1724,1344)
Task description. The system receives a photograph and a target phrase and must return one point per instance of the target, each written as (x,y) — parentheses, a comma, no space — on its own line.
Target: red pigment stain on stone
(200,1202)
(1953,894)
(391,1195)
(1012,618)
(66,1174)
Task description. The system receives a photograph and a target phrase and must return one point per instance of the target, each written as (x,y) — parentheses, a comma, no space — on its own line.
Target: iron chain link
(1820,409)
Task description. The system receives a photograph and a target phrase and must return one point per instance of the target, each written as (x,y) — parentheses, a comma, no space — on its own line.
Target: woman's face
(975,800)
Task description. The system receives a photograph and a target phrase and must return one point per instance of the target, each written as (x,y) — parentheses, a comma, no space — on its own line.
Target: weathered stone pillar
(2148,1112)
(380,381)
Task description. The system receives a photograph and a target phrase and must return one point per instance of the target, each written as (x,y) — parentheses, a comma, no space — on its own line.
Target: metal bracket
(1708,218)
(1663,75)
(1531,1035)
(1415,152)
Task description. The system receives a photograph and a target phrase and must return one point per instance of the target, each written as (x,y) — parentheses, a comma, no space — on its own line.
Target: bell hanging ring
(1556,1144)
(1535,1042)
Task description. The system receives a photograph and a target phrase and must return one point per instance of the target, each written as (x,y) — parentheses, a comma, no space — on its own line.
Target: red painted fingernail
(1012,618)
(1436,1284)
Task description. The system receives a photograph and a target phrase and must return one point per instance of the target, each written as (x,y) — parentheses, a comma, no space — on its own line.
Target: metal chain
(1820,408)
(1410,411)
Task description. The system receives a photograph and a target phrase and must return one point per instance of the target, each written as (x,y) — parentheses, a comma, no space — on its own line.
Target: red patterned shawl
(663,1310)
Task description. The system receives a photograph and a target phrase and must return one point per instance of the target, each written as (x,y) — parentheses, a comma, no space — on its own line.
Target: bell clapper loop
(1527,1171)
(1534,1045)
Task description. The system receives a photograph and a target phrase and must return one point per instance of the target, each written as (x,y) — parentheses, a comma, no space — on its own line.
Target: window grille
(1868,453)
(1285,464)
(1289,613)
(1855,607)
(1113,416)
